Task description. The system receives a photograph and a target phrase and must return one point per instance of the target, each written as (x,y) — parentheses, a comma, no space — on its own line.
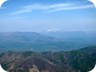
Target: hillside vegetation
(82,60)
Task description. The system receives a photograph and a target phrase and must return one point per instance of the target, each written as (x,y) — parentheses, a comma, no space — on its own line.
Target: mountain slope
(82,60)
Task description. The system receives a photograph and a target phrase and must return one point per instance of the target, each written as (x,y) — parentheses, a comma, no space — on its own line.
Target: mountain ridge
(82,60)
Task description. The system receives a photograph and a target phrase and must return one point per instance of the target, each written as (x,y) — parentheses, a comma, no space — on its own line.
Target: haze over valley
(46,41)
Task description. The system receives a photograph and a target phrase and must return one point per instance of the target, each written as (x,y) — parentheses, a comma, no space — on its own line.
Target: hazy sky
(43,15)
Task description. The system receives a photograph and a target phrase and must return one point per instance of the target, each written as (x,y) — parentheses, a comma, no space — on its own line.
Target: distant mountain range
(47,41)
(82,60)
(48,52)
(22,41)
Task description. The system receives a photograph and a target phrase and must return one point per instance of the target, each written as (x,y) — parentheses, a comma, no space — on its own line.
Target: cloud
(53,30)
(42,7)
(51,8)
(71,8)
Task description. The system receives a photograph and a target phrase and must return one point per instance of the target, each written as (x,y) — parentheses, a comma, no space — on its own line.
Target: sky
(47,15)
